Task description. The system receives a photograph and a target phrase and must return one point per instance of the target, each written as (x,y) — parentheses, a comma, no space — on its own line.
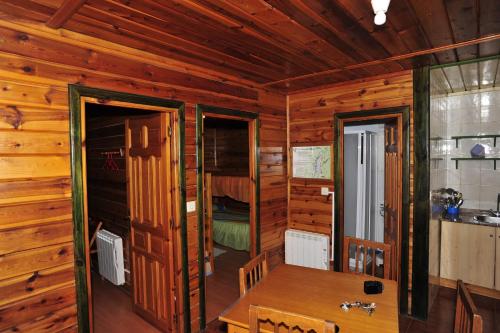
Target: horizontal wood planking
(31,284)
(35,187)
(23,262)
(229,148)
(311,114)
(30,309)
(20,239)
(62,320)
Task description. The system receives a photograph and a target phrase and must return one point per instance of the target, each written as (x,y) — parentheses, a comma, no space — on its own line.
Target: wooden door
(150,203)
(392,191)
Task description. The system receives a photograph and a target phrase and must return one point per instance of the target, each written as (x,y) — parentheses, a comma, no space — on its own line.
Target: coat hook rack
(110,163)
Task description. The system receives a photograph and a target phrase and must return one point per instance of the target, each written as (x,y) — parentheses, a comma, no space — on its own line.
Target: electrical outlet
(191,206)
(325,191)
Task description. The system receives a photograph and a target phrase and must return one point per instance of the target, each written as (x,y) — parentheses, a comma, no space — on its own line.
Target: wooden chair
(467,319)
(253,271)
(368,249)
(291,321)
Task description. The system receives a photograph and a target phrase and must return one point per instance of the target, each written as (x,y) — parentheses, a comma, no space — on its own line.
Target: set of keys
(368,307)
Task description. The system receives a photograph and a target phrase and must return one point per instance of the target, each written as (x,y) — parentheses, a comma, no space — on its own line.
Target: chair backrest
(365,258)
(467,318)
(290,321)
(253,271)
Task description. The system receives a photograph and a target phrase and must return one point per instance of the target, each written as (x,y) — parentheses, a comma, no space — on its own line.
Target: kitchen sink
(487,219)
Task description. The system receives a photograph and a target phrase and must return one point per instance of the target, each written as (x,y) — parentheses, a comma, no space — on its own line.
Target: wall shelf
(485,136)
(494,159)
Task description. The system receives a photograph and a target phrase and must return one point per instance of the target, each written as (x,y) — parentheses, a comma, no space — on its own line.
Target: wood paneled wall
(36,249)
(311,117)
(226,151)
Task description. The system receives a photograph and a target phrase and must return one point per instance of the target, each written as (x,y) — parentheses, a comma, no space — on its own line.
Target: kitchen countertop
(467,216)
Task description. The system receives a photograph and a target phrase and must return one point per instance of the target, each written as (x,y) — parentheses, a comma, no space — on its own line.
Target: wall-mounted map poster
(312,162)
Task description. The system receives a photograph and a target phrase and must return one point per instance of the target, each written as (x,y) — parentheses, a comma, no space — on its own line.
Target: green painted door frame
(421,176)
(76,92)
(404,236)
(200,110)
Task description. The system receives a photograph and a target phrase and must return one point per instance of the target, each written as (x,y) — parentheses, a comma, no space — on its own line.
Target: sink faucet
(498,203)
(497,213)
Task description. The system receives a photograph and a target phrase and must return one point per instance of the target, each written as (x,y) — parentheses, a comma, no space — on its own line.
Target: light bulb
(379,18)
(380,7)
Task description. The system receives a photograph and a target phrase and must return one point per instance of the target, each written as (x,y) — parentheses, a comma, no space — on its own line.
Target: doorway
(229,223)
(372,192)
(127,202)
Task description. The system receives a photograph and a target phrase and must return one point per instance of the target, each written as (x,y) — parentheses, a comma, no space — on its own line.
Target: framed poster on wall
(313,162)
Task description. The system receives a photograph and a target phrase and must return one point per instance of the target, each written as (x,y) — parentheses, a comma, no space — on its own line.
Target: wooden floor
(440,319)
(222,288)
(443,310)
(113,310)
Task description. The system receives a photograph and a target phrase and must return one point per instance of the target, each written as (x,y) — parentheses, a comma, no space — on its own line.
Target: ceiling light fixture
(380,8)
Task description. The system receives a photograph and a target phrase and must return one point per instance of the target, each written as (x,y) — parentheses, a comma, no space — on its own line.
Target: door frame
(339,120)
(253,131)
(78,96)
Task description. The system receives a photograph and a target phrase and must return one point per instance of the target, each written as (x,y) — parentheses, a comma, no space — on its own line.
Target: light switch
(325,191)
(191,206)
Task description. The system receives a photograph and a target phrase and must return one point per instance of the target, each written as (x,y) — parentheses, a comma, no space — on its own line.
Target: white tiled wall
(467,113)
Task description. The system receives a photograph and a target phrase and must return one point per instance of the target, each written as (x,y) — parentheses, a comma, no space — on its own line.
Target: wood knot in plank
(23,37)
(33,277)
(12,116)
(322,102)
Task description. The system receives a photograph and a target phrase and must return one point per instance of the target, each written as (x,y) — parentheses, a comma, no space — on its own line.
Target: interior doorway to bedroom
(229,146)
(125,159)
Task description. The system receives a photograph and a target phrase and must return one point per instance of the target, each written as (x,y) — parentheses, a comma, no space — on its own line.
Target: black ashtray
(373,287)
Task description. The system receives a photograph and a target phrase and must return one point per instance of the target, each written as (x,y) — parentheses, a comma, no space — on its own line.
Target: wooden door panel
(392,191)
(150,204)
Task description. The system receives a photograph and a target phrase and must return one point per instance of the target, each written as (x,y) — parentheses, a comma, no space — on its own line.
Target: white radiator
(110,255)
(307,249)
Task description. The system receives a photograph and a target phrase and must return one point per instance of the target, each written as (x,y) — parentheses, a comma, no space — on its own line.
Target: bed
(227,221)
(231,228)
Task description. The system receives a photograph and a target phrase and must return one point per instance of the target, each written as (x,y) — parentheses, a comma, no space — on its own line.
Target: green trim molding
(465,62)
(76,92)
(405,112)
(200,110)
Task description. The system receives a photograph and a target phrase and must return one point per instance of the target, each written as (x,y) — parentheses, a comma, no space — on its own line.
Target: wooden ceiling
(282,44)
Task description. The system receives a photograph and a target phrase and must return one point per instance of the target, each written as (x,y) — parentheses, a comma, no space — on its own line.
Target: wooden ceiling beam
(64,13)
(475,41)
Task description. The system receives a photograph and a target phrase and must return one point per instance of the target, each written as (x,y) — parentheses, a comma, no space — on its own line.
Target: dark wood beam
(496,73)
(410,55)
(64,13)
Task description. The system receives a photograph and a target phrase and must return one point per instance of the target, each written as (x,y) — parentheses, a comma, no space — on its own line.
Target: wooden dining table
(319,294)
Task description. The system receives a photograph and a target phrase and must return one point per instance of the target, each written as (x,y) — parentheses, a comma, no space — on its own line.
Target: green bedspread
(232,229)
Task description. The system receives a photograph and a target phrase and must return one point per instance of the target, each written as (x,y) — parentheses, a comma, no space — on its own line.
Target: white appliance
(110,256)
(307,249)
(364,184)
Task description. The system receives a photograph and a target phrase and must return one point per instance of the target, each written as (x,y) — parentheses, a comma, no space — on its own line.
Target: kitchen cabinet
(434,243)
(468,253)
(497,263)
